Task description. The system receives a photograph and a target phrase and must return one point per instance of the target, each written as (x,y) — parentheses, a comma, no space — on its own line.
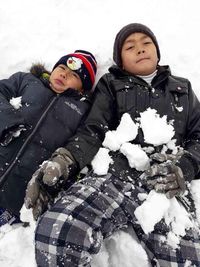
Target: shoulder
(73,99)
(179,84)
(105,86)
(115,75)
(179,79)
(36,70)
(16,78)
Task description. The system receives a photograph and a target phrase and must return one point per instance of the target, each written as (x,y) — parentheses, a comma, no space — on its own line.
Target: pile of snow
(157,131)
(17,243)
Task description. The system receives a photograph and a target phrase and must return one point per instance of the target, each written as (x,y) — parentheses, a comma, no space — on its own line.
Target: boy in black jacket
(50,108)
(95,207)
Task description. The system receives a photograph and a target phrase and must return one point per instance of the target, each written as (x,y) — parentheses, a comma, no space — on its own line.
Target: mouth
(142,59)
(59,82)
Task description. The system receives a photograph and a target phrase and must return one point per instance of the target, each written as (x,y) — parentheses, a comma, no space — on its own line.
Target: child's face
(62,78)
(139,54)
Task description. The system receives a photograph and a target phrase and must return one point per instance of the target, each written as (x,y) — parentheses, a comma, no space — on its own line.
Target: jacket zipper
(27,140)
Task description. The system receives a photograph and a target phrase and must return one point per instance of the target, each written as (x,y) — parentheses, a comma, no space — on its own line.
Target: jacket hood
(39,70)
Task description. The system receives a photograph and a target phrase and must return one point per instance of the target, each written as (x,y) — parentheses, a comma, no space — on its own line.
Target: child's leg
(188,253)
(73,229)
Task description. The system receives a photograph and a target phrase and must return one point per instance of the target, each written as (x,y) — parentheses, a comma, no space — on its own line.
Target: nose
(141,51)
(64,74)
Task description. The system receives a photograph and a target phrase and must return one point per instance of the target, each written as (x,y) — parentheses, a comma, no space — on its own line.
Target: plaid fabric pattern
(92,209)
(162,255)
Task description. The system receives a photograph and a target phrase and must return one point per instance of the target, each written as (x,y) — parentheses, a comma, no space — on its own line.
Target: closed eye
(61,67)
(130,47)
(148,42)
(75,75)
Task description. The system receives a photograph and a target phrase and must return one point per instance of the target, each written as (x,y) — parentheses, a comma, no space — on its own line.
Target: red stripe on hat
(87,64)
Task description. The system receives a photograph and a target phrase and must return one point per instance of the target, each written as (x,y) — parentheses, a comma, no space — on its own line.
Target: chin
(58,91)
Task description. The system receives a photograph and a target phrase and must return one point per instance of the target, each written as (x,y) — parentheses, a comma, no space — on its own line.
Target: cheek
(155,56)
(74,84)
(50,78)
(79,85)
(126,60)
(128,63)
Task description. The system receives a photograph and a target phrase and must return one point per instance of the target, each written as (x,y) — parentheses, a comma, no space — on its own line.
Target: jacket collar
(162,74)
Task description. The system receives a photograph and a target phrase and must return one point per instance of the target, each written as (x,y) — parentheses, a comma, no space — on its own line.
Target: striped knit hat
(84,64)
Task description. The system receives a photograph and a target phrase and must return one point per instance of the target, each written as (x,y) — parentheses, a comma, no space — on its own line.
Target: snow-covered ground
(45,30)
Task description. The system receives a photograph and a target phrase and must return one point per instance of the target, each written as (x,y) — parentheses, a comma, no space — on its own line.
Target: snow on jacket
(49,118)
(119,92)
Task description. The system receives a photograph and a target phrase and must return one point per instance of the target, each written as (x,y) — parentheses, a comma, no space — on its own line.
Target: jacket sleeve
(86,143)
(9,116)
(190,161)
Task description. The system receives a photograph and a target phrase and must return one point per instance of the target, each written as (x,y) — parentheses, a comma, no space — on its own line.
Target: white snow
(43,31)
(101,161)
(155,128)
(137,158)
(152,211)
(126,131)
(16,102)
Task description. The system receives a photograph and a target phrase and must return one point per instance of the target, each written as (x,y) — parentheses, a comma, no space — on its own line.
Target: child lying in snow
(46,110)
(98,205)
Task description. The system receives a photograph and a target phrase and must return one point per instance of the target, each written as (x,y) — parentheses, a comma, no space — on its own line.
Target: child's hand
(11,134)
(166,178)
(36,197)
(47,181)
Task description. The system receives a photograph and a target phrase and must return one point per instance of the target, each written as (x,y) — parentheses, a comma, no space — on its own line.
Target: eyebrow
(132,40)
(63,65)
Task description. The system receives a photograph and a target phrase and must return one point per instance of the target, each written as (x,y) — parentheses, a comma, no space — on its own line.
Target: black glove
(166,178)
(11,134)
(47,181)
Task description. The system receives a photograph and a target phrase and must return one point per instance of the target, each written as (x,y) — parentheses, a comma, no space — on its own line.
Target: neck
(148,78)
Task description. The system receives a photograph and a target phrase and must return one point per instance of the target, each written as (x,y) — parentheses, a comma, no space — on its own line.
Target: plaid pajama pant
(91,210)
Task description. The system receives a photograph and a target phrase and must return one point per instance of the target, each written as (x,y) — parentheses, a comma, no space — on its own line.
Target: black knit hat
(84,64)
(124,33)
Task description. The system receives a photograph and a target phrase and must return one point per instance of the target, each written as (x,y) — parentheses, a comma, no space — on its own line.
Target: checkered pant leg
(69,233)
(187,253)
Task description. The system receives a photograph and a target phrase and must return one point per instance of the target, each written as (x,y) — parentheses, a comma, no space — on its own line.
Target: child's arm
(88,139)
(190,162)
(9,116)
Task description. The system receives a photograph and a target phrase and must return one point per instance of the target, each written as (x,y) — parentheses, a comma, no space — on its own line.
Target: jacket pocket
(126,98)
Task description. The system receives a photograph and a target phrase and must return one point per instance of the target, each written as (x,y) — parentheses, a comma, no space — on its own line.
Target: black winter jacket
(119,92)
(49,118)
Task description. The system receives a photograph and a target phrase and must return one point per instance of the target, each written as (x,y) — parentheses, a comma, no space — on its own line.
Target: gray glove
(47,180)
(37,197)
(166,178)
(163,157)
